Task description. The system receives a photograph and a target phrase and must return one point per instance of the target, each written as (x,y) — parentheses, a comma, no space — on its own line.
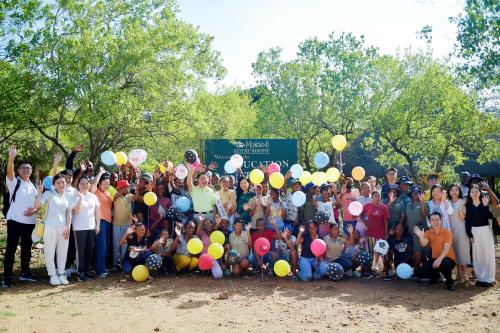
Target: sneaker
(54,281)
(227,272)
(27,277)
(356,274)
(7,282)
(102,275)
(90,276)
(388,277)
(81,277)
(63,280)
(70,271)
(450,286)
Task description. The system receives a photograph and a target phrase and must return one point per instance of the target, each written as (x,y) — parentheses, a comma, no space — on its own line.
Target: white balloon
(181,172)
(137,156)
(296,170)
(298,198)
(355,208)
(229,168)
(236,161)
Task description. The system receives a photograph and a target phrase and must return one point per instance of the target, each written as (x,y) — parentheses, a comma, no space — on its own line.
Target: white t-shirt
(58,205)
(327,207)
(85,218)
(25,198)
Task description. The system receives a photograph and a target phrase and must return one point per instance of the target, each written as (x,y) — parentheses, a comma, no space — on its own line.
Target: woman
(137,248)
(461,245)
(244,195)
(477,214)
(158,211)
(182,258)
(225,200)
(100,187)
(438,203)
(86,219)
(57,227)
(310,266)
(258,206)
(395,205)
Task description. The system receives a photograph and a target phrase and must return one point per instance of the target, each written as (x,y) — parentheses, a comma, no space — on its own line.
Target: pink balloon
(196,164)
(273,167)
(205,262)
(261,246)
(355,208)
(318,247)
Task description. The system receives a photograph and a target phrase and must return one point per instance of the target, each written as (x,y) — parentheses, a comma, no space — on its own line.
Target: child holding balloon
(162,247)
(182,258)
(137,250)
(400,248)
(310,262)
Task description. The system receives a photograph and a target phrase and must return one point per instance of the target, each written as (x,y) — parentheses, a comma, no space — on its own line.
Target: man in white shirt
(21,218)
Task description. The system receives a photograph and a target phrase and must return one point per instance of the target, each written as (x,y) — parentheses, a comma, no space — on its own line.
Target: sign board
(254,152)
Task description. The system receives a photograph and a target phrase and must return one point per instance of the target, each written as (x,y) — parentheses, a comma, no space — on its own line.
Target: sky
(242,28)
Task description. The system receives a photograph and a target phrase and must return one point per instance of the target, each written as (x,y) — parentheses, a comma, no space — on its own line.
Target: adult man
(202,195)
(464,182)
(431,180)
(21,218)
(443,258)
(391,174)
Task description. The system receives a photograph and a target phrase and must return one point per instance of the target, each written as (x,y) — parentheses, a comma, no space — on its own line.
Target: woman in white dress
(461,245)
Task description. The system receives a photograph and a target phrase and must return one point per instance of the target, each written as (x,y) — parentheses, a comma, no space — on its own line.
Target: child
(239,241)
(276,210)
(182,258)
(122,202)
(162,247)
(326,205)
(335,246)
(348,194)
(400,249)
(137,251)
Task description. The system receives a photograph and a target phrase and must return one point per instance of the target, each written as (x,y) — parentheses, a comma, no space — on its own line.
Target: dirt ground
(202,304)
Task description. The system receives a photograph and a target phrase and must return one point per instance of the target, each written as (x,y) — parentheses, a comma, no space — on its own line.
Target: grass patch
(6,314)
(76,314)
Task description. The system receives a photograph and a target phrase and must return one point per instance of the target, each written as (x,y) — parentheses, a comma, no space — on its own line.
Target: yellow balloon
(305,178)
(112,191)
(339,142)
(318,178)
(276,180)
(59,169)
(150,198)
(281,268)
(358,173)
(322,177)
(162,168)
(194,246)
(215,250)
(140,273)
(121,158)
(217,237)
(332,174)
(256,176)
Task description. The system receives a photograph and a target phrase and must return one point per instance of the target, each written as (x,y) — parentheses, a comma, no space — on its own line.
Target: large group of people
(98,223)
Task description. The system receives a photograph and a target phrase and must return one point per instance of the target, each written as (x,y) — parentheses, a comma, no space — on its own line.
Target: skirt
(483,254)
(461,246)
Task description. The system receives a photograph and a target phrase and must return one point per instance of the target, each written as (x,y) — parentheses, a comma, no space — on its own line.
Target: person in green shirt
(202,195)
(415,217)
(396,206)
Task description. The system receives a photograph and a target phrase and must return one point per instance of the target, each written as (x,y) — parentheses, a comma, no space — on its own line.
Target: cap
(404,180)
(121,184)
(147,177)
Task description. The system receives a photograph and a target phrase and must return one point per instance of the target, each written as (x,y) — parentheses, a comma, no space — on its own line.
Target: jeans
(446,267)
(266,259)
(85,240)
(310,270)
(118,250)
(128,264)
(102,246)
(54,243)
(16,231)
(345,262)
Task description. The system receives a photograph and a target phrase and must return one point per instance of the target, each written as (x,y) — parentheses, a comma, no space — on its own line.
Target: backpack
(7,200)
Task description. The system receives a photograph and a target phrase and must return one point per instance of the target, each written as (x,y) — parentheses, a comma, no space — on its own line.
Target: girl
(203,232)
(438,203)
(162,247)
(137,247)
(348,194)
(57,227)
(400,249)
(244,195)
(158,211)
(477,214)
(461,245)
(182,258)
(86,218)
(100,188)
(327,205)
(310,266)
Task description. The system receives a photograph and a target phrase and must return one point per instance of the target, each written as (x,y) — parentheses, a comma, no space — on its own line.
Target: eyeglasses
(25,168)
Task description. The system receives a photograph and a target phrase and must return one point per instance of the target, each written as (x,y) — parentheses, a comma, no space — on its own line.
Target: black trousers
(167,264)
(429,272)
(70,258)
(85,240)
(16,231)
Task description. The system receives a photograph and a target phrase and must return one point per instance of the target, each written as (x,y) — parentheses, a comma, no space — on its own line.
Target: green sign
(254,152)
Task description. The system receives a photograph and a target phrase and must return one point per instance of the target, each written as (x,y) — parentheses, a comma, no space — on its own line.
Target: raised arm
(190,177)
(57,160)
(72,155)
(10,163)
(421,236)
(93,186)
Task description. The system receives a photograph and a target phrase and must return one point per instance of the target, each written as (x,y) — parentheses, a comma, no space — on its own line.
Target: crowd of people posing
(97,223)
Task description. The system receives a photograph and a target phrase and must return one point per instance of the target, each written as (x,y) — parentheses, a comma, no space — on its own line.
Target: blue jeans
(128,264)
(118,250)
(346,224)
(266,259)
(102,246)
(345,262)
(308,269)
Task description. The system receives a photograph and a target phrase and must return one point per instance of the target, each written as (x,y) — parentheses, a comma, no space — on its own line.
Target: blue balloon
(321,160)
(47,183)
(404,271)
(229,168)
(183,204)
(108,158)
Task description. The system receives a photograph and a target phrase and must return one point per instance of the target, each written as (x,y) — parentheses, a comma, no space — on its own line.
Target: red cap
(121,184)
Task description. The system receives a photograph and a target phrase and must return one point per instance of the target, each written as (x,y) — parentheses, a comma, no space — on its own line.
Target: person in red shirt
(272,256)
(377,215)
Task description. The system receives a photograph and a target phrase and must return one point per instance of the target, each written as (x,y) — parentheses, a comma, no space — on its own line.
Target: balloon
(228,168)
(47,183)
(217,237)
(276,180)
(272,168)
(121,158)
(183,204)
(196,164)
(137,156)
(232,257)
(205,262)
(112,191)
(305,178)
(404,271)
(332,174)
(59,169)
(261,246)
(381,247)
(355,208)
(147,115)
(108,157)
(162,168)
(296,170)
(154,262)
(181,172)
(358,173)
(194,246)
(298,198)
(191,156)
(318,247)
(215,250)
(335,271)
(281,268)
(216,270)
(339,142)
(365,258)
(236,161)
(256,176)
(321,160)
(140,273)
(318,178)
(150,198)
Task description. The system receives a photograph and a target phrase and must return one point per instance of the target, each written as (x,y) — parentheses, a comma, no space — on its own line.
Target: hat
(415,188)
(465,173)
(394,187)
(147,177)
(121,184)
(475,177)
(404,180)
(309,186)
(432,175)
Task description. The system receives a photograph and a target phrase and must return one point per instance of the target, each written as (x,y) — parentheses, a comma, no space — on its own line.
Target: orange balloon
(358,173)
